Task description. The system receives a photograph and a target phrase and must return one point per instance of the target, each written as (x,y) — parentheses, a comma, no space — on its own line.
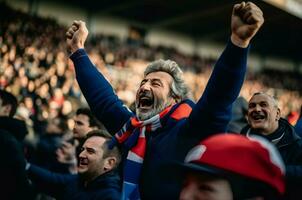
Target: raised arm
(98,92)
(213,110)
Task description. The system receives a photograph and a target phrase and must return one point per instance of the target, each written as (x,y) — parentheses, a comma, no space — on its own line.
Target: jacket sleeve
(48,182)
(110,194)
(103,102)
(212,112)
(294,173)
(294,168)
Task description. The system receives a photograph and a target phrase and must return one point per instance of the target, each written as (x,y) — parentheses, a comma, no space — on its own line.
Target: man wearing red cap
(232,166)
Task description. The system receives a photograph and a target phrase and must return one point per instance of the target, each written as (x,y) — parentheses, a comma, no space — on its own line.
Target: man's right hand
(66,153)
(76,36)
(247,18)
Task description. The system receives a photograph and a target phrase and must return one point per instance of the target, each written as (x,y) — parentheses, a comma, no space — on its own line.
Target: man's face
(263,114)
(91,161)
(205,187)
(153,95)
(81,126)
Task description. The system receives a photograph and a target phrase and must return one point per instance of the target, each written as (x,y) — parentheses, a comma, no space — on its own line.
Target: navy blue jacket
(70,187)
(209,115)
(15,184)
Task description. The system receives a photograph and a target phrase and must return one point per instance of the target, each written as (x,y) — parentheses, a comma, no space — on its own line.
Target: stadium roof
(280,36)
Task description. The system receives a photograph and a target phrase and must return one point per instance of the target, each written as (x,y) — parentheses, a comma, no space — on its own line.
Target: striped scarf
(132,137)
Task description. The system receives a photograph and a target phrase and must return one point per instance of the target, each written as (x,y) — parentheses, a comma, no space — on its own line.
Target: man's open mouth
(83,161)
(258,116)
(146,101)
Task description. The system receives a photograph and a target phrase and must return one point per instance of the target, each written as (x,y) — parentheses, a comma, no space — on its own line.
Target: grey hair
(274,100)
(179,89)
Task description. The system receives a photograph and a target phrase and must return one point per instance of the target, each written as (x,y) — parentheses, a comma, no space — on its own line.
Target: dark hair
(114,152)
(98,133)
(9,99)
(93,121)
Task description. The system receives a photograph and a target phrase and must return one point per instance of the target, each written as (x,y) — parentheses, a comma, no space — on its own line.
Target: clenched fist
(76,36)
(247,18)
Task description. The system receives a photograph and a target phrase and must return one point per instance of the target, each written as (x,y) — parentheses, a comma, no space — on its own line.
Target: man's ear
(110,163)
(94,128)
(278,114)
(177,99)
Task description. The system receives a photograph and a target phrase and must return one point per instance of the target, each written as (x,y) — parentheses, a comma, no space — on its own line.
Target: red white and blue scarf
(133,137)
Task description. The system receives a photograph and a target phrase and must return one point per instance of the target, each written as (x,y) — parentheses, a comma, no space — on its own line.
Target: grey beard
(145,116)
(158,108)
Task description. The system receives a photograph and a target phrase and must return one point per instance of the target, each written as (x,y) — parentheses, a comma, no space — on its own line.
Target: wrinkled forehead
(263,97)
(159,75)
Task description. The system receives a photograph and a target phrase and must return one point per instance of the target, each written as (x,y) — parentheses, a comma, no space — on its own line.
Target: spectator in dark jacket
(12,133)
(97,175)
(264,119)
(12,169)
(8,107)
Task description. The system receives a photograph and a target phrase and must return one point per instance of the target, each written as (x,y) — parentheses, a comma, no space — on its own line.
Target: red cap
(254,158)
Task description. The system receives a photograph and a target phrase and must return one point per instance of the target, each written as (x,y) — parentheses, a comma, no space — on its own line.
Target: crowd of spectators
(34,66)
